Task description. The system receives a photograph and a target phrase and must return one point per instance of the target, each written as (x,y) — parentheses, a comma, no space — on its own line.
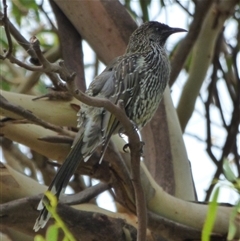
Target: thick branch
(86,195)
(58,112)
(32,118)
(79,222)
(108,23)
(21,213)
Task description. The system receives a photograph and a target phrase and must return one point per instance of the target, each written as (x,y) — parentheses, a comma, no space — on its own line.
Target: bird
(138,79)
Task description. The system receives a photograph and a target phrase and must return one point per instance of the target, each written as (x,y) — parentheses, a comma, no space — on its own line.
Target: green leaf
(237,184)
(52,233)
(65,238)
(16,13)
(230,176)
(41,87)
(5,86)
(38,237)
(51,207)
(3,40)
(211,216)
(21,8)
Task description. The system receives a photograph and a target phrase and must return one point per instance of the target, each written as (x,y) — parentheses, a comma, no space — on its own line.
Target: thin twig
(85,195)
(40,6)
(211,91)
(209,135)
(184,8)
(200,139)
(218,103)
(57,139)
(4,19)
(17,35)
(25,66)
(228,83)
(232,129)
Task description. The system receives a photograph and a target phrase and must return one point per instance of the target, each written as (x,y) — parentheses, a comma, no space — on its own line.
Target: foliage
(211,217)
(53,230)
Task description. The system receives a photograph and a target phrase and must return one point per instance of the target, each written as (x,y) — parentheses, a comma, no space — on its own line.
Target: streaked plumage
(139,78)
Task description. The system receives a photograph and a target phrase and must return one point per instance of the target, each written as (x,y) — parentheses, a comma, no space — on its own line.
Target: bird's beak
(175,30)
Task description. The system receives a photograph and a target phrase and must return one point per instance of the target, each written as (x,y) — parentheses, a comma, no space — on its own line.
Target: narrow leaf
(211,216)
(232,229)
(39,238)
(229,174)
(52,233)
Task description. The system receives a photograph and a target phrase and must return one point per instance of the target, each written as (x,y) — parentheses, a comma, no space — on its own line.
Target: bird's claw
(141,149)
(126,146)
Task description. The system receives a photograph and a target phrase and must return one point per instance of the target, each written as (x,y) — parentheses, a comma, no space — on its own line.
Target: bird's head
(150,33)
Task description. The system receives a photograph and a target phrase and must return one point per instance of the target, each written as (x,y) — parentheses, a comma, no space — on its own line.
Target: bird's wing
(104,84)
(128,74)
(119,81)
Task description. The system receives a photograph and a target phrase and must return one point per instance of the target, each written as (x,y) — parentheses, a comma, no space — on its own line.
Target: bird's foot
(126,146)
(141,149)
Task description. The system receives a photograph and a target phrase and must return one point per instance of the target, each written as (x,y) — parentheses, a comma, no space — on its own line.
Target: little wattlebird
(137,78)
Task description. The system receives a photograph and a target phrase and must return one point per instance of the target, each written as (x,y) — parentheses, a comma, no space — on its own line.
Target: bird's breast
(152,85)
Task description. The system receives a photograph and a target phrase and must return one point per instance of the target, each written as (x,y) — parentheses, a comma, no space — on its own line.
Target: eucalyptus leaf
(232,229)
(230,176)
(211,216)
(52,233)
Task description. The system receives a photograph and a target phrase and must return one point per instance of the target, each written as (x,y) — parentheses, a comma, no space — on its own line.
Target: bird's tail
(59,182)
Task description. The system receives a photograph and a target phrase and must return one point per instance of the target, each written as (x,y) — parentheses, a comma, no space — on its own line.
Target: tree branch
(32,118)
(5,23)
